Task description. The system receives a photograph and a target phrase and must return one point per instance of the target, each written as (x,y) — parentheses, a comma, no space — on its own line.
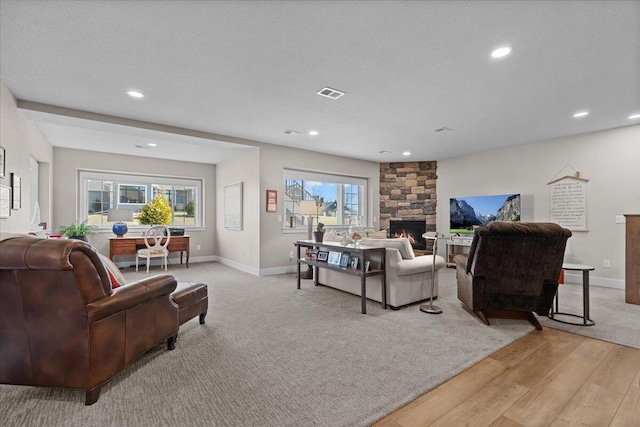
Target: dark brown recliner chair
(512,270)
(61,323)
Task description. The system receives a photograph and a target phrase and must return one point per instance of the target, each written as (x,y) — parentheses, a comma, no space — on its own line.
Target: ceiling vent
(142,146)
(442,129)
(330,93)
(384,152)
(291,132)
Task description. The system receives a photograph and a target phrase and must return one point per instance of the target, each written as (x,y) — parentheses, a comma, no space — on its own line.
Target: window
(342,198)
(101,191)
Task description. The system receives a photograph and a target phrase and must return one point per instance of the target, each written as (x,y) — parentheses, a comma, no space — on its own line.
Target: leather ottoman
(192,301)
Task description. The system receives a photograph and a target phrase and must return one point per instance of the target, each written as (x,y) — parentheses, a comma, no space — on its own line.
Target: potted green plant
(318,235)
(77,231)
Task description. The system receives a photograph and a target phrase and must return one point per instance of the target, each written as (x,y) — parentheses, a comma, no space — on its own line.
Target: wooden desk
(129,245)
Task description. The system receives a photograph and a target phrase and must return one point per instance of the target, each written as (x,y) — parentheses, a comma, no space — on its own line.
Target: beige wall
(21,139)
(68,162)
(609,159)
(275,245)
(240,248)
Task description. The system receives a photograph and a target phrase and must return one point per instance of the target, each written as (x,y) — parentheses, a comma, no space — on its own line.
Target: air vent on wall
(330,93)
(442,129)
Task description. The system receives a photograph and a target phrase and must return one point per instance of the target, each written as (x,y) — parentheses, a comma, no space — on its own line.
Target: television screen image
(468,213)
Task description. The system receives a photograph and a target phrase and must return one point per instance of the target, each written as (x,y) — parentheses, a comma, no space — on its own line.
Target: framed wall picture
(16,190)
(2,162)
(5,201)
(233,206)
(272,201)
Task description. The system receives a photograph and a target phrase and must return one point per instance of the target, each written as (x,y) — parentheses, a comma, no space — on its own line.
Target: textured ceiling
(252,69)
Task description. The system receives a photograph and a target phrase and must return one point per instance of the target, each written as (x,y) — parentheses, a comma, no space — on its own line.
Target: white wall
(21,139)
(240,248)
(68,161)
(275,245)
(609,159)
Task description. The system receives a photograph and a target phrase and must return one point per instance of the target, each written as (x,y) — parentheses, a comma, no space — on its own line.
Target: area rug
(272,355)
(615,321)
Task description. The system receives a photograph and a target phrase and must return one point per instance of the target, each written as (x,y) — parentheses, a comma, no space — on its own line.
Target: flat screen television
(468,213)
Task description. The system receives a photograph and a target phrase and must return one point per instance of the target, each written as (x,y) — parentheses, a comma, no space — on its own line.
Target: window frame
(148,180)
(302,175)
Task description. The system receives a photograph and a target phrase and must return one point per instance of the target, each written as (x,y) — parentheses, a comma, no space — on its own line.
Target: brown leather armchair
(512,270)
(61,323)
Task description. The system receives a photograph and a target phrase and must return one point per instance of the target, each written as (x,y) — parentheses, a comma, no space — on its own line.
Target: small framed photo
(323,255)
(334,258)
(354,262)
(345,259)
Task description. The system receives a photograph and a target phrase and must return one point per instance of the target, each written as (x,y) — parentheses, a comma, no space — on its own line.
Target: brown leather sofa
(61,323)
(512,270)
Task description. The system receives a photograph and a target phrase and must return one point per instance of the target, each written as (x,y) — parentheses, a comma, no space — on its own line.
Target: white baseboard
(172,261)
(277,270)
(594,281)
(238,266)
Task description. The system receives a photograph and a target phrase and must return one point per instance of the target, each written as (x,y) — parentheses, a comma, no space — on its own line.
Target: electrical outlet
(606,263)
(290,254)
(198,248)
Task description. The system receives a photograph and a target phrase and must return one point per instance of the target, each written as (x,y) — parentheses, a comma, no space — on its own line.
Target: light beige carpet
(272,355)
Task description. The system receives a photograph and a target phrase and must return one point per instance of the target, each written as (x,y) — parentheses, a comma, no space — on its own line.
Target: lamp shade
(119,215)
(308,207)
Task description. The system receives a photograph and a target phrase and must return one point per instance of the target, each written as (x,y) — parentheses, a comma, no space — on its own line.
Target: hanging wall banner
(568,202)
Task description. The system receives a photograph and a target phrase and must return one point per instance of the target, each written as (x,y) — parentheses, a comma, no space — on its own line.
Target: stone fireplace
(412,230)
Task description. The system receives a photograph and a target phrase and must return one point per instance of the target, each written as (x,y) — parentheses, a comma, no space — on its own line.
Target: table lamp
(120,228)
(430,308)
(309,207)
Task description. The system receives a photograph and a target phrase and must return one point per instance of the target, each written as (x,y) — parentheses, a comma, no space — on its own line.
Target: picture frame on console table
(345,259)
(323,256)
(334,258)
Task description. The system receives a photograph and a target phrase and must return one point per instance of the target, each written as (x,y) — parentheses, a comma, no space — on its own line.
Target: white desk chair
(157,240)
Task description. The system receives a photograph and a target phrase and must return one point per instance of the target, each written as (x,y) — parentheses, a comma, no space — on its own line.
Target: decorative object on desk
(157,211)
(430,308)
(16,190)
(356,230)
(77,231)
(233,206)
(272,201)
(5,201)
(345,259)
(120,228)
(323,255)
(334,258)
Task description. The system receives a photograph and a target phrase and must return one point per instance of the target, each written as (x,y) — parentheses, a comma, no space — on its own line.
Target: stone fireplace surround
(408,193)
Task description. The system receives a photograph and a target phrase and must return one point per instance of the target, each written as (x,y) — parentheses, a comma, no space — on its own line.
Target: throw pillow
(115,275)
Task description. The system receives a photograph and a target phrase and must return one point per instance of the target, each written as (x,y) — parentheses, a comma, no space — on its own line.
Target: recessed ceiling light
(634,116)
(581,114)
(135,94)
(501,52)
(151,144)
(406,153)
(313,132)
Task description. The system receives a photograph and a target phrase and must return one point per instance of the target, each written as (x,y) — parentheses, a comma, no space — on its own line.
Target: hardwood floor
(547,378)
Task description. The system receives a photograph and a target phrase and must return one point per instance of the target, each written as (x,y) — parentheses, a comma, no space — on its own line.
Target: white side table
(586,320)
